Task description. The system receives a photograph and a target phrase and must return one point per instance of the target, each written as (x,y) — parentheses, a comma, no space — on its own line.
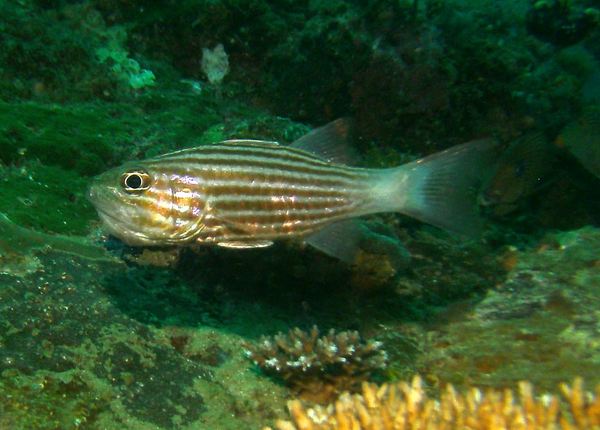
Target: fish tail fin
(441,189)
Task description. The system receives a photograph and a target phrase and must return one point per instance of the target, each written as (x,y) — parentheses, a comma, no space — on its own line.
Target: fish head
(143,206)
(522,169)
(506,185)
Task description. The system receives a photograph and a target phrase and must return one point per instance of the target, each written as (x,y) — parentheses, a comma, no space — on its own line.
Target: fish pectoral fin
(246,244)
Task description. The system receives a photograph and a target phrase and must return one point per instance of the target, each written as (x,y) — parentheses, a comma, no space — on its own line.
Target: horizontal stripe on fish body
(257,192)
(258,172)
(267,152)
(274,156)
(232,202)
(216,231)
(282,164)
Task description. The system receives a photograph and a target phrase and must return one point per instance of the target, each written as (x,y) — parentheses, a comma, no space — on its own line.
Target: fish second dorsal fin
(330,142)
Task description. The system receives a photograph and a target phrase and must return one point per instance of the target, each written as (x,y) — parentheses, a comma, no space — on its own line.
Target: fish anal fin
(330,142)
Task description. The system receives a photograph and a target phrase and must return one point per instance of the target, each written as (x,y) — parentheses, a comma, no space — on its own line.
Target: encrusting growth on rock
(405,405)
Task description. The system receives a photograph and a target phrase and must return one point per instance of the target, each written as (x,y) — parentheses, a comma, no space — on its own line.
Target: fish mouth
(115,219)
(123,229)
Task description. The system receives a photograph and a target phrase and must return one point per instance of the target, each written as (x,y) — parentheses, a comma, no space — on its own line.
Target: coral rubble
(407,406)
(317,367)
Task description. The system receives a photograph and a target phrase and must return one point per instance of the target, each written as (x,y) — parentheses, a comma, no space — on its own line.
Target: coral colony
(316,366)
(406,406)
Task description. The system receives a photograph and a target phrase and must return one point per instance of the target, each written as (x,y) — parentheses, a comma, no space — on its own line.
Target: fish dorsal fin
(249,244)
(330,142)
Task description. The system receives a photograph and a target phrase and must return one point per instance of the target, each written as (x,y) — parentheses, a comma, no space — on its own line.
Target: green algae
(46,198)
(48,401)
(51,151)
(80,138)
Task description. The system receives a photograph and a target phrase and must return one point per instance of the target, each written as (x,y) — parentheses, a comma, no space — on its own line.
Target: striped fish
(249,193)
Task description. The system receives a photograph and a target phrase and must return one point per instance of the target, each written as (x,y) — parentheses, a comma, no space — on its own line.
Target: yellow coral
(407,406)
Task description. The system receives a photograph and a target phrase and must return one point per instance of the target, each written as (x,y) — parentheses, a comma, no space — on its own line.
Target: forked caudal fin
(440,189)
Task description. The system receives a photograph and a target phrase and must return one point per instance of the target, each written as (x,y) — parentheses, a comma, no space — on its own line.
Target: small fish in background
(582,139)
(522,169)
(249,193)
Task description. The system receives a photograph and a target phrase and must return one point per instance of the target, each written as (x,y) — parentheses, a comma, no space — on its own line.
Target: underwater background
(95,334)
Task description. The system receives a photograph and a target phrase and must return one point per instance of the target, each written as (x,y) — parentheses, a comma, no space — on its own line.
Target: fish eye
(135,181)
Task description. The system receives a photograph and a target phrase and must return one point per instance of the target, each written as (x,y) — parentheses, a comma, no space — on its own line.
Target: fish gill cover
(96,334)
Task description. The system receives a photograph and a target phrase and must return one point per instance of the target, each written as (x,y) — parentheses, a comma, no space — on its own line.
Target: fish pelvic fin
(440,189)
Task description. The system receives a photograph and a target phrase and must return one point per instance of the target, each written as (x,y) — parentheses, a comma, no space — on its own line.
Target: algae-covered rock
(51,400)
(72,356)
(95,334)
(541,323)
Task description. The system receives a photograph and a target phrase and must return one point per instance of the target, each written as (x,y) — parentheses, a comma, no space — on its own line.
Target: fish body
(246,193)
(238,192)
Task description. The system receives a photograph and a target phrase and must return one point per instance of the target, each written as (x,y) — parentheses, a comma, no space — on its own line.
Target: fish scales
(261,193)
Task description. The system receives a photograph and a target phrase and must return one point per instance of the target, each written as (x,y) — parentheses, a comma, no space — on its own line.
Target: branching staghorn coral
(319,367)
(405,406)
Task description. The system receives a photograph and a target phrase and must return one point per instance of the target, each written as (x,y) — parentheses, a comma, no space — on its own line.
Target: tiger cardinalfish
(249,193)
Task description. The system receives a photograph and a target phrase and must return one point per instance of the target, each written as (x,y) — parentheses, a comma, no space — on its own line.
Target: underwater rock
(541,322)
(563,265)
(72,349)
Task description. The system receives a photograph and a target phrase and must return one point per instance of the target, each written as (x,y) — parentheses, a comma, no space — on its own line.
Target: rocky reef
(98,335)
